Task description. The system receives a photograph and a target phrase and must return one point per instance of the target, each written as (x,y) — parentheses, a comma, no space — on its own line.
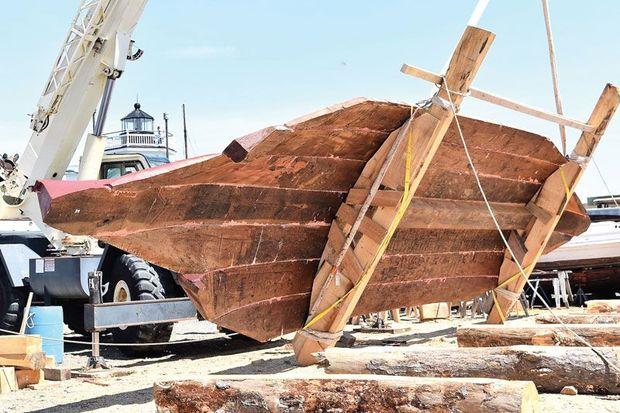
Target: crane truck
(54,265)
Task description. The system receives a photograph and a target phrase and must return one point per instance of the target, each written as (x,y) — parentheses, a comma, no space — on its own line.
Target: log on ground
(550,368)
(348,393)
(603,306)
(579,319)
(601,335)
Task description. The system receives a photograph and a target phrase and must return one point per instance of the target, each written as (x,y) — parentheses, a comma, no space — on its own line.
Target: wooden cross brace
(398,166)
(547,207)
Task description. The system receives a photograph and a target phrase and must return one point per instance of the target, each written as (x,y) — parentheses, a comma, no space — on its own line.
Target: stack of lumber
(23,361)
(345,394)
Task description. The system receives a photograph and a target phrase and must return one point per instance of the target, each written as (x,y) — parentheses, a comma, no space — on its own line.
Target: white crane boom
(92,57)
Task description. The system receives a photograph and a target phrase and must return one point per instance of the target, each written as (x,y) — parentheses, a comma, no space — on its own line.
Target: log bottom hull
(246,230)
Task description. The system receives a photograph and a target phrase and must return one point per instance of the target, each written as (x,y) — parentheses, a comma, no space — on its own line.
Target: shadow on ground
(268,366)
(409,339)
(209,347)
(122,400)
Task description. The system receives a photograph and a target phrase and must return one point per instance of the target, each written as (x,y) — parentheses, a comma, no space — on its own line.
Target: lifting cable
(554,72)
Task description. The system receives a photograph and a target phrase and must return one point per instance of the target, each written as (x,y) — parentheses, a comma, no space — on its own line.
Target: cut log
(57,373)
(579,319)
(603,306)
(550,368)
(345,394)
(550,335)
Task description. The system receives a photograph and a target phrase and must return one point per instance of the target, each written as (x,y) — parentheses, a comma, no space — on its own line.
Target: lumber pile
(23,360)
(601,335)
(550,368)
(603,318)
(603,306)
(345,394)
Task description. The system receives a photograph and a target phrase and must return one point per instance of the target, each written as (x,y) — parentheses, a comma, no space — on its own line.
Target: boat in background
(592,258)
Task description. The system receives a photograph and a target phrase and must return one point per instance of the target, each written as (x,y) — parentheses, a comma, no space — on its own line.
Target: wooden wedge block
(434,311)
(57,373)
(8,383)
(26,377)
(345,394)
(33,361)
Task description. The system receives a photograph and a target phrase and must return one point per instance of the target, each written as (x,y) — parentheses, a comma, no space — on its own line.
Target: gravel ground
(219,354)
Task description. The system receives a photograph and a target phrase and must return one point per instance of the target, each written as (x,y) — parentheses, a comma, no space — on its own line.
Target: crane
(91,59)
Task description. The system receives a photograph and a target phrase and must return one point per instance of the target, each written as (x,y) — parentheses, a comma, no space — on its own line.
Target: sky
(239,66)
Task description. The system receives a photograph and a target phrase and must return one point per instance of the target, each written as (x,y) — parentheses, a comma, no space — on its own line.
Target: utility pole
(166,132)
(184,131)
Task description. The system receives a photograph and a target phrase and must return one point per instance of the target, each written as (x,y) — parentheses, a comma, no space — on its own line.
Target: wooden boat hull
(246,230)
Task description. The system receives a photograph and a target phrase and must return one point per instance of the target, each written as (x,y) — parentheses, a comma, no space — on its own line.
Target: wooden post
(22,328)
(346,269)
(552,198)
(395,313)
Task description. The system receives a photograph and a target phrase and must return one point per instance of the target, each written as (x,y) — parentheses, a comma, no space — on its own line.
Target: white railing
(141,139)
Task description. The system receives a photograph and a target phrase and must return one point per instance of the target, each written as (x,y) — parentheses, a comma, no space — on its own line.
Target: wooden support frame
(552,199)
(498,100)
(335,294)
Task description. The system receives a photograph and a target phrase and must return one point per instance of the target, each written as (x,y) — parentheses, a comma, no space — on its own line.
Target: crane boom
(92,57)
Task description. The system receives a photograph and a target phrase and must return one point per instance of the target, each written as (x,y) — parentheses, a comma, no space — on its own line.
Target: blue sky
(243,65)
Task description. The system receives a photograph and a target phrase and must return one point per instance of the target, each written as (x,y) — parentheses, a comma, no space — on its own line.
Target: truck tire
(12,302)
(133,279)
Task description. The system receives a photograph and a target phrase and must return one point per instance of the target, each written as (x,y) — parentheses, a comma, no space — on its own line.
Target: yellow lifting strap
(503,284)
(402,208)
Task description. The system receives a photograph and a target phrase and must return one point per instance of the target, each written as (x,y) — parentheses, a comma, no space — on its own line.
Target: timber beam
(550,201)
(500,101)
(399,165)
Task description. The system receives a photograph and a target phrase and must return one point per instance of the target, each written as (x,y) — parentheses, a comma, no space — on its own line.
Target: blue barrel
(47,322)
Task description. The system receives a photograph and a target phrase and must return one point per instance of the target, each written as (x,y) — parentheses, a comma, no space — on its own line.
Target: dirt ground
(219,354)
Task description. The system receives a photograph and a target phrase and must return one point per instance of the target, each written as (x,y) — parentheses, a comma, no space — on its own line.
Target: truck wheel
(133,279)
(12,302)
